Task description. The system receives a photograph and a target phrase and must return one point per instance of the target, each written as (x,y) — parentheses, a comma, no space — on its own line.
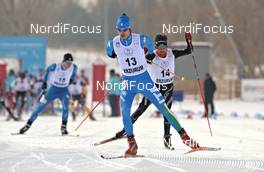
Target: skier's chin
(123,35)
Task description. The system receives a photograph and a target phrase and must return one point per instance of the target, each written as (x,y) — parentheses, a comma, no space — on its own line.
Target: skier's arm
(147,44)
(51,68)
(188,50)
(75,68)
(178,53)
(110,49)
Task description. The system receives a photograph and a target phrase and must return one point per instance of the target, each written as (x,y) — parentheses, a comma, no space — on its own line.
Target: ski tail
(203,148)
(121,156)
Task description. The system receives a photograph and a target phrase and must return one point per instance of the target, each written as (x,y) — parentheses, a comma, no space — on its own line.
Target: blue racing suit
(53,93)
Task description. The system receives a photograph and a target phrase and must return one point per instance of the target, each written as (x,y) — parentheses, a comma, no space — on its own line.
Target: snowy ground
(43,149)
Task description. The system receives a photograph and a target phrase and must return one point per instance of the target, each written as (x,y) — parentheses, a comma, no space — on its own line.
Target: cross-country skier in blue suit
(130,48)
(59,76)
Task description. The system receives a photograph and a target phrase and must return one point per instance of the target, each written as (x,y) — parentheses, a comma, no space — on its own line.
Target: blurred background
(235,61)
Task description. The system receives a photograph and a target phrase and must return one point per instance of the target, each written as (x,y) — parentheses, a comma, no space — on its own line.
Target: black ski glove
(44,86)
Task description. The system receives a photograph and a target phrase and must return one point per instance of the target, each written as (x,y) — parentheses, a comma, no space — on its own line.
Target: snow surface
(43,149)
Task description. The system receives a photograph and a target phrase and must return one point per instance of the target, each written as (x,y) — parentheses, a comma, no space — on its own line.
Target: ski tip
(203,149)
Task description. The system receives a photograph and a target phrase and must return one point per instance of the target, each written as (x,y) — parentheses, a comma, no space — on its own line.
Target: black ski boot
(167,142)
(64,130)
(92,117)
(24,129)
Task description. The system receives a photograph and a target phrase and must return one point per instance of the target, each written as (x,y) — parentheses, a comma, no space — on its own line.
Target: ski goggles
(68,61)
(161,45)
(122,29)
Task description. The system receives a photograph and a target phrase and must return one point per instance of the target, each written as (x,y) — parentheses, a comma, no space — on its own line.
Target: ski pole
(87,115)
(107,140)
(188,36)
(41,94)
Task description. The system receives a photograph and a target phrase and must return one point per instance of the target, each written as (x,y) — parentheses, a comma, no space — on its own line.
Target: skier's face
(162,52)
(67,64)
(123,33)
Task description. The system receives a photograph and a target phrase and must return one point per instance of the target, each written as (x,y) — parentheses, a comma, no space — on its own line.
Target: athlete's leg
(65,99)
(167,91)
(157,99)
(44,101)
(50,95)
(144,104)
(126,100)
(127,96)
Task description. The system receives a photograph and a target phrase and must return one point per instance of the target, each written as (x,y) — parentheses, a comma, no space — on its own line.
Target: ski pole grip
(188,37)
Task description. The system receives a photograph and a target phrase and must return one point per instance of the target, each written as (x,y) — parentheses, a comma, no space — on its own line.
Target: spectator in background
(84,81)
(22,87)
(39,81)
(4,104)
(75,90)
(209,90)
(114,93)
(9,95)
(84,78)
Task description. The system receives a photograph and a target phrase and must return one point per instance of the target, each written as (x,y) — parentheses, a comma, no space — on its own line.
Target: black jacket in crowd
(209,88)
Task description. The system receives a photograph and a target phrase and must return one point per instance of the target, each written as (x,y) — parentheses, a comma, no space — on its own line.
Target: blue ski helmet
(123,22)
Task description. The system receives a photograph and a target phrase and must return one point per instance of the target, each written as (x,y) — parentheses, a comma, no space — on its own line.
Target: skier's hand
(72,81)
(44,86)
(188,38)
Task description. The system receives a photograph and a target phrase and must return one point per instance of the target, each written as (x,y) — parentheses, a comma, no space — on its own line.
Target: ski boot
(132,146)
(167,142)
(92,117)
(187,140)
(24,129)
(64,130)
